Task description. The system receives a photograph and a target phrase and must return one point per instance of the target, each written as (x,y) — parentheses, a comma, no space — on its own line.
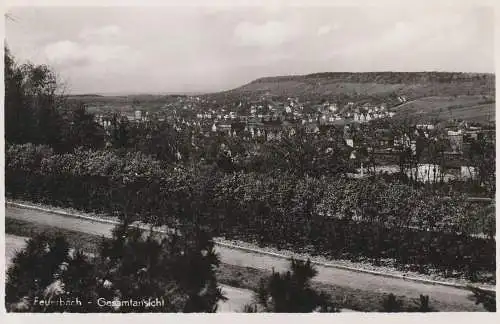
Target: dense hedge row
(340,218)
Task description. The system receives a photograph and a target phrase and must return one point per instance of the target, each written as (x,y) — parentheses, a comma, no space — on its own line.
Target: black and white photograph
(249,158)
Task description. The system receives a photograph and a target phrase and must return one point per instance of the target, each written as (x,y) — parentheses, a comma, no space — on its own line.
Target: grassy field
(474,108)
(97,104)
(231,275)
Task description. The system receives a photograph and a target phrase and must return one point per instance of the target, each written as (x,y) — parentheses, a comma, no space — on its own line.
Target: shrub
(177,271)
(486,298)
(391,304)
(291,292)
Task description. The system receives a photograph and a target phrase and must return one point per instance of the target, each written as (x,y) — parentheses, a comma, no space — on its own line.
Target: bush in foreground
(487,298)
(391,304)
(146,273)
(291,292)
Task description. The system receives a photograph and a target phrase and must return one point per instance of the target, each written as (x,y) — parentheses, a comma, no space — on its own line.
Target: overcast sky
(176,49)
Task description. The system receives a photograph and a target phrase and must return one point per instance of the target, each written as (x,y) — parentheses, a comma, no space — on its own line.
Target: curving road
(453,299)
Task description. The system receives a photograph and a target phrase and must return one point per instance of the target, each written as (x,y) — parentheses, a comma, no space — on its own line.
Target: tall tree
(81,130)
(482,157)
(31,103)
(40,91)
(19,119)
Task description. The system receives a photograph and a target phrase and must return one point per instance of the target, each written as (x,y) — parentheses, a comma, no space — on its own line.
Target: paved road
(455,299)
(237,298)
(13,244)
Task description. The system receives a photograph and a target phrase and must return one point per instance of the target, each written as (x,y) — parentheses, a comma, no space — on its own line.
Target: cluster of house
(272,123)
(424,172)
(262,117)
(458,139)
(212,114)
(366,116)
(256,129)
(293,110)
(268,120)
(138,116)
(272,126)
(103,120)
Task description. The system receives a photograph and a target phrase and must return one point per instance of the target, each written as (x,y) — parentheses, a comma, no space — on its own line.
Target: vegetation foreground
(294,194)
(332,217)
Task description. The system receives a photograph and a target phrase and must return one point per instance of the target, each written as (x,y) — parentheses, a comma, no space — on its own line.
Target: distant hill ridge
(384,77)
(356,86)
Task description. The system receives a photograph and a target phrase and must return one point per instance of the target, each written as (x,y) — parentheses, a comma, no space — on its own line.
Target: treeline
(334,217)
